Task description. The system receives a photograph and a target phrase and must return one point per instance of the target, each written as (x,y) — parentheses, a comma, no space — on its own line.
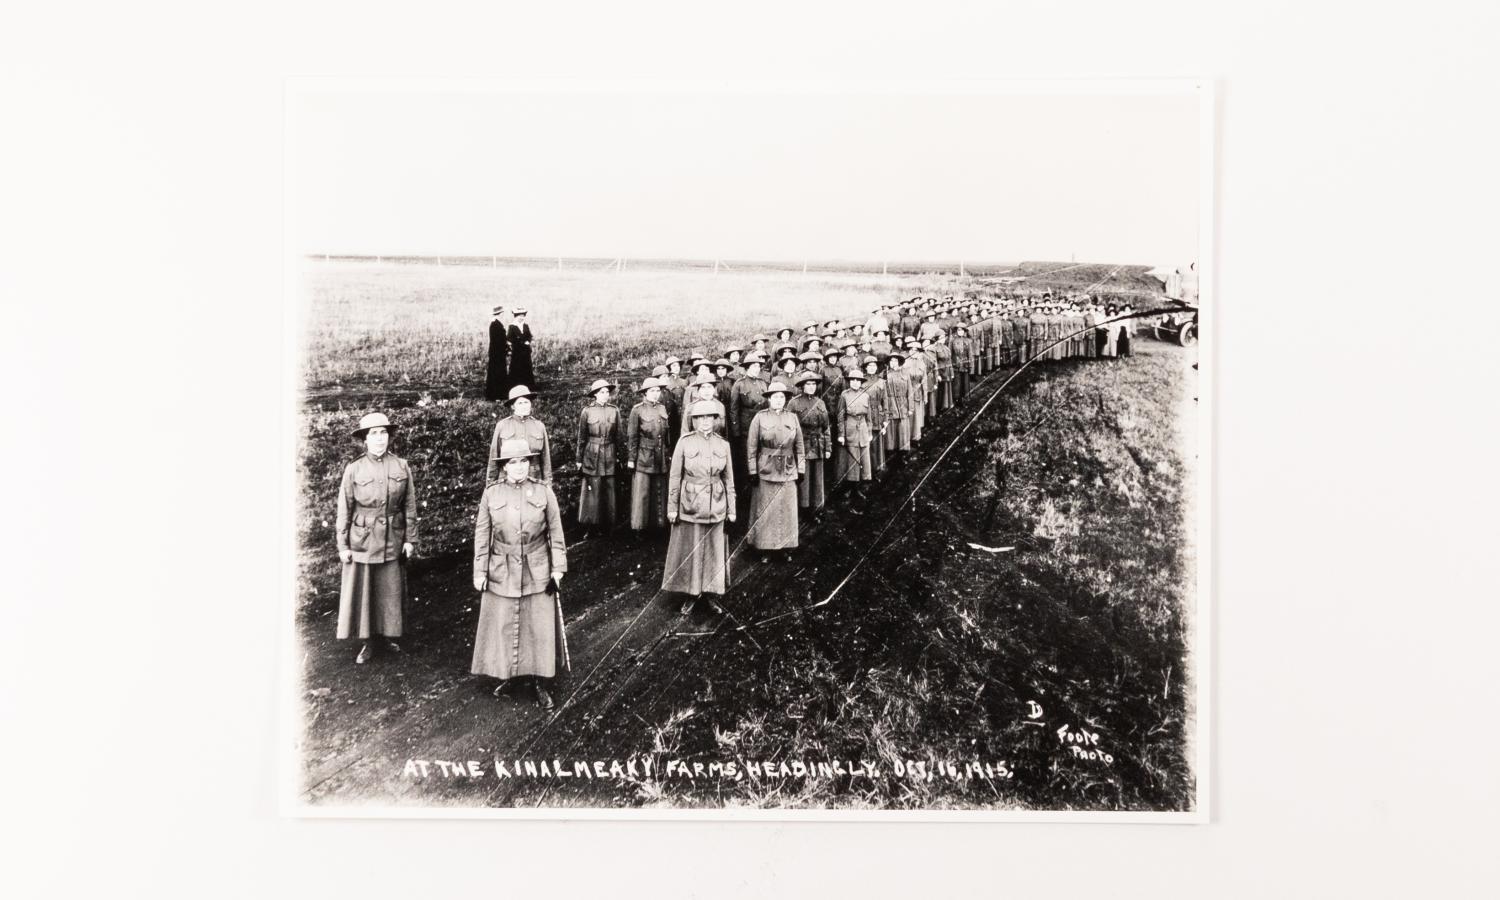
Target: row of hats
(518,311)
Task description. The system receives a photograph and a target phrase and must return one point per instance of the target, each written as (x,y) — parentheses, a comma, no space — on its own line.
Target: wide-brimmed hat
(518,392)
(754,356)
(703,408)
(866,360)
(723,361)
(787,328)
(514,448)
(705,378)
(807,325)
(809,355)
(670,360)
(695,356)
(658,372)
(858,374)
(779,346)
(896,353)
(373,420)
(647,385)
(497,310)
(598,385)
(833,351)
(847,343)
(804,377)
(808,339)
(758,336)
(733,348)
(778,387)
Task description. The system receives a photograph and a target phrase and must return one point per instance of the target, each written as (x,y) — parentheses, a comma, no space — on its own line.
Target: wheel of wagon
(1188,334)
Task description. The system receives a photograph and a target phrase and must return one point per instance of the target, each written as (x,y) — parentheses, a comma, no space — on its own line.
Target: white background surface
(141,286)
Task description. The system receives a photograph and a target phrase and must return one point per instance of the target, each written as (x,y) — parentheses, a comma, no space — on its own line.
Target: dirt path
(630,651)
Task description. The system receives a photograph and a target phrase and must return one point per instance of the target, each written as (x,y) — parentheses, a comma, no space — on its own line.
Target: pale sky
(995,178)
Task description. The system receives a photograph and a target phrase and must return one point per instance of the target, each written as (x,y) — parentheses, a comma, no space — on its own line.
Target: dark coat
(520,356)
(495,384)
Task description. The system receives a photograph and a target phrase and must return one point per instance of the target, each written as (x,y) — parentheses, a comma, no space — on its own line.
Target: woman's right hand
(346,556)
(479,582)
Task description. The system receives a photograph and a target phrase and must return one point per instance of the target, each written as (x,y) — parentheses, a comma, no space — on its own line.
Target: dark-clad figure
(649,437)
(375,528)
(495,384)
(520,350)
(777,458)
(700,498)
(812,417)
(916,371)
(519,560)
(520,424)
(596,452)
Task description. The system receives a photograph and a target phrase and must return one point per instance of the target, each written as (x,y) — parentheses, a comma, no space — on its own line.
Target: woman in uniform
(520,424)
(898,406)
(648,437)
(598,447)
(776,458)
(915,368)
(856,435)
(376,526)
(704,387)
(875,389)
(813,419)
(519,560)
(700,498)
(520,349)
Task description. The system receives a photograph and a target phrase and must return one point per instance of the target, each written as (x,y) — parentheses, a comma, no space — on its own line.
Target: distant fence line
(956,268)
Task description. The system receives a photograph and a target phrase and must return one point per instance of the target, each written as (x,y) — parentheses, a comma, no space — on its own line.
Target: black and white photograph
(801,450)
(763,451)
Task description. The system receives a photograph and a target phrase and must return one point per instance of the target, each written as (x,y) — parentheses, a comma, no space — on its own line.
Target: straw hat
(373,420)
(647,385)
(703,408)
(514,448)
(705,378)
(518,392)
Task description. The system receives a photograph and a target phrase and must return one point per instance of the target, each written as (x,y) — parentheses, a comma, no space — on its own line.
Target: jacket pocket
(364,489)
(359,535)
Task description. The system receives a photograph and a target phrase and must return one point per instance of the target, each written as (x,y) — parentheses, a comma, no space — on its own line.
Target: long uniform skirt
(519,636)
(918,418)
(370,599)
(898,435)
(946,401)
(697,559)
(811,491)
(877,452)
(596,500)
(858,463)
(648,501)
(773,515)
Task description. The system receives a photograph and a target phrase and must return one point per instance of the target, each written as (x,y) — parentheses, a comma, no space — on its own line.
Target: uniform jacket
(518,538)
(857,425)
(747,399)
(676,385)
(701,485)
(598,438)
(909,324)
(774,447)
(812,416)
(849,364)
(877,322)
(649,435)
(927,331)
(916,369)
(510,428)
(963,352)
(898,392)
(377,508)
(944,356)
